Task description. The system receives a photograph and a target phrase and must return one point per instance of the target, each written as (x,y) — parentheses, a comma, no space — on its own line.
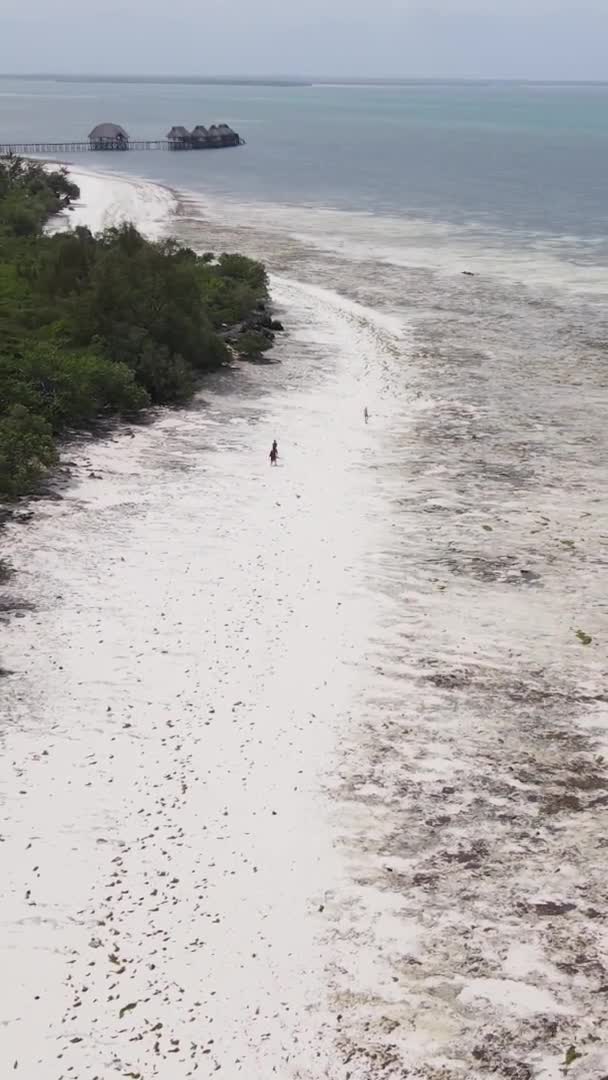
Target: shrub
(166,378)
(26,450)
(67,388)
(240,268)
(252,344)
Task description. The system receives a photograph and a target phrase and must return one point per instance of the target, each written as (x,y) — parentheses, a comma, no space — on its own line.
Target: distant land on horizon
(288,80)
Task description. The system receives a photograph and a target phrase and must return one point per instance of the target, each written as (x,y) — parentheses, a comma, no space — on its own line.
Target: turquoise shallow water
(520,158)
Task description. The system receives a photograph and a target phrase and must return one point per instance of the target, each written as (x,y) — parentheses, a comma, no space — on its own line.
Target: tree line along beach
(96,326)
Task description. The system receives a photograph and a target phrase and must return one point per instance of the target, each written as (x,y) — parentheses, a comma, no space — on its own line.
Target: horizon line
(293,80)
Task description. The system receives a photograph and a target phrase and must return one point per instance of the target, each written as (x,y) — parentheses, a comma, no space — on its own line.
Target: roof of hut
(225,129)
(200,130)
(108,131)
(178,132)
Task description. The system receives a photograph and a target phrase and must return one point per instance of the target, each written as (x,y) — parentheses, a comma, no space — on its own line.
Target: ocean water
(515,157)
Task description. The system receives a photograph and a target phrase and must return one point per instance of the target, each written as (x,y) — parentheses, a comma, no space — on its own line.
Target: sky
(529,39)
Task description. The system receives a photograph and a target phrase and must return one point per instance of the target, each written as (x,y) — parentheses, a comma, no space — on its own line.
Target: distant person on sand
(365,414)
(275,447)
(274,453)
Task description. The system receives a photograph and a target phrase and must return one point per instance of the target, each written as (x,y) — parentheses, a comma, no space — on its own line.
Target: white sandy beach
(303,768)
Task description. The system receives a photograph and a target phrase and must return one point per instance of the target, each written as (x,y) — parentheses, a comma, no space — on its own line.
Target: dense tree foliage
(98,325)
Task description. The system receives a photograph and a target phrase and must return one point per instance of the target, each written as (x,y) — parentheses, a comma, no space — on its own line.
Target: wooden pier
(81,147)
(112,137)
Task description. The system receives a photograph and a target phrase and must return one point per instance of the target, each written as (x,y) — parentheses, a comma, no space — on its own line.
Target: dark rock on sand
(550,907)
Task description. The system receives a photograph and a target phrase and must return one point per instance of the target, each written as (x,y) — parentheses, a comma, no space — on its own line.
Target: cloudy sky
(544,39)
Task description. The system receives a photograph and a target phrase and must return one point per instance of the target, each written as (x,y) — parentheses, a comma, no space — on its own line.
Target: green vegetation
(251,343)
(571,1056)
(102,325)
(6,571)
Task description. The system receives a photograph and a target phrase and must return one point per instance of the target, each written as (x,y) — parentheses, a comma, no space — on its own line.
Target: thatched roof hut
(200,132)
(178,133)
(223,135)
(109,137)
(215,135)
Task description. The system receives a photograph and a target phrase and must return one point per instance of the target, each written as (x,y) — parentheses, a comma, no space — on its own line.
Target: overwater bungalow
(227,135)
(223,135)
(199,136)
(179,138)
(108,137)
(202,138)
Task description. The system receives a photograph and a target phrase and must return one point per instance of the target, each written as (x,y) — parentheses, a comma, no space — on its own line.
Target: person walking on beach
(274,453)
(365,414)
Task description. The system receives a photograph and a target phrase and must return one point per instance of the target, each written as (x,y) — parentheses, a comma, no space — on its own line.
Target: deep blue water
(514,157)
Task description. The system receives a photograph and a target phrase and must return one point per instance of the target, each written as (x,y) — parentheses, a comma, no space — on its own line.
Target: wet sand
(304,768)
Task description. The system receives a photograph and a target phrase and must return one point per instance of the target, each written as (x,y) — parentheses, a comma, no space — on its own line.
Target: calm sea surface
(508,157)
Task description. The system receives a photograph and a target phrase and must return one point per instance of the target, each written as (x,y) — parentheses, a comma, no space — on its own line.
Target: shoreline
(540,261)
